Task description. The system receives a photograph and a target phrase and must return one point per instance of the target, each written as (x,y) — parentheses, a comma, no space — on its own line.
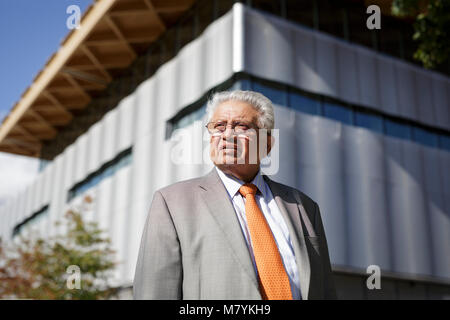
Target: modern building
(363,130)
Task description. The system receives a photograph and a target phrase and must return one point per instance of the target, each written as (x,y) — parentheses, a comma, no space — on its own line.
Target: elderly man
(234,233)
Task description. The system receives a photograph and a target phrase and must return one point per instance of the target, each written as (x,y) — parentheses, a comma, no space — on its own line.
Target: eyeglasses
(217,128)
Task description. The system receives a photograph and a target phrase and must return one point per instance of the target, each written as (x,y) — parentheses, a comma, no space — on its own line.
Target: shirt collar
(233,184)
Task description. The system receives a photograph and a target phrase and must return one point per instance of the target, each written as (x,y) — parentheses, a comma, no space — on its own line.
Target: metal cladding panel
(20,212)
(126,113)
(406,92)
(138,214)
(58,193)
(35,193)
(287,145)
(424,95)
(143,154)
(306,76)
(94,146)
(406,206)
(441,100)
(166,101)
(145,107)
(388,86)
(81,158)
(282,51)
(416,207)
(319,160)
(267,44)
(47,184)
(326,65)
(191,60)
(104,205)
(109,136)
(368,225)
(367,77)
(186,146)
(69,156)
(120,214)
(348,82)
(28,198)
(439,218)
(5,211)
(217,51)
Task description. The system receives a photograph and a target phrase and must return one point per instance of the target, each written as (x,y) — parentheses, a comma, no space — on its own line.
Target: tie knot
(248,188)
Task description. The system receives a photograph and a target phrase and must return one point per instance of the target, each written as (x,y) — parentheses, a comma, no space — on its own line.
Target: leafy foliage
(431,26)
(37,268)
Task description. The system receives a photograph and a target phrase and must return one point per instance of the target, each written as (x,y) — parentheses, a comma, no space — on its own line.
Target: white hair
(262,104)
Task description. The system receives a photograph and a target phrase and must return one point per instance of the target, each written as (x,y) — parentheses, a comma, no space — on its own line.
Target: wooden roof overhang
(112,34)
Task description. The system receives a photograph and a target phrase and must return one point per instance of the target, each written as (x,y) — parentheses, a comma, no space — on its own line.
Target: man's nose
(228,133)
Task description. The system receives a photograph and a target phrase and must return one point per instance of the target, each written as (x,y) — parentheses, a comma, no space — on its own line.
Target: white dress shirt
(269,208)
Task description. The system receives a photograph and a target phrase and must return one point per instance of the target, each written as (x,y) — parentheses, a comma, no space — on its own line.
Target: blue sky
(30,31)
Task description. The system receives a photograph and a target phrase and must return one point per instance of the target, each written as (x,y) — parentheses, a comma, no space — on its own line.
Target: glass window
(204,12)
(301,11)
(389,36)
(369,121)
(303,103)
(331,17)
(444,142)
(185,31)
(338,112)
(168,45)
(357,16)
(397,129)
(409,47)
(243,84)
(223,6)
(199,113)
(275,93)
(425,137)
(273,7)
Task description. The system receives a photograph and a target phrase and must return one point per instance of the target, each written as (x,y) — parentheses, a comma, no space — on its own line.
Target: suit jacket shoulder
(293,194)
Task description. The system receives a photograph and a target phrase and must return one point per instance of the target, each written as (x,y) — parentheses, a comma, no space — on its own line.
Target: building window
(369,121)
(444,142)
(275,92)
(337,112)
(331,17)
(304,103)
(397,129)
(301,11)
(298,100)
(274,7)
(425,137)
(31,220)
(123,159)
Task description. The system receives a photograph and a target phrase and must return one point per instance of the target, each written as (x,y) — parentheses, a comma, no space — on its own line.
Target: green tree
(431,29)
(38,268)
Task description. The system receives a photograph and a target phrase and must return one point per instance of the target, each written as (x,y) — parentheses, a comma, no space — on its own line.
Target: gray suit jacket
(193,247)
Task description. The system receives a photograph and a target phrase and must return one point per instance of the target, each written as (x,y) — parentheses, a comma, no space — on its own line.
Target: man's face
(233,148)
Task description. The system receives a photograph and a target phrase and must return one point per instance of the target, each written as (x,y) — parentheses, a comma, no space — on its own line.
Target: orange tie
(273,279)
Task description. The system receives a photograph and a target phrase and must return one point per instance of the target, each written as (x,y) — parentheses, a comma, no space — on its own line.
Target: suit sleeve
(329,287)
(158,271)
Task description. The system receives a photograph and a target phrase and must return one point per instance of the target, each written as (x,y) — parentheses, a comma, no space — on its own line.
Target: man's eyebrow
(235,119)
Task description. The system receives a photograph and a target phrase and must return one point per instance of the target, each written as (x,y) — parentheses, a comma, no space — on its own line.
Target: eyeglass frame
(232,125)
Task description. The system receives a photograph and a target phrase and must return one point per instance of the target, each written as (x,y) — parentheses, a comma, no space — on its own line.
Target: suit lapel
(220,207)
(291,214)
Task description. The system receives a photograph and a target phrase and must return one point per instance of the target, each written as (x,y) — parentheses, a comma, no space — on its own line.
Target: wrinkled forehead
(232,110)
